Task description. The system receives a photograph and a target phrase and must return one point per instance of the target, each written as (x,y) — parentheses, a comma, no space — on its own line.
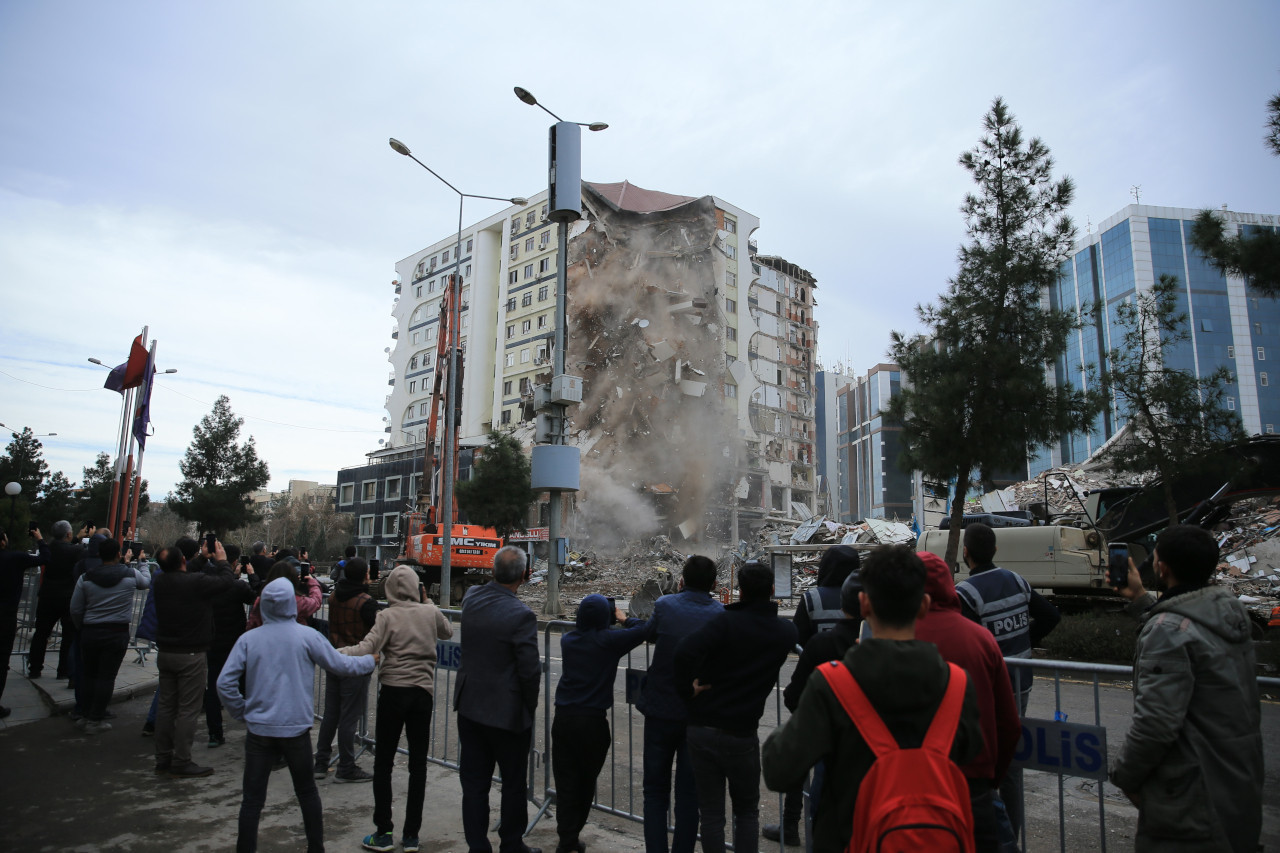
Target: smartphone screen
(1118,565)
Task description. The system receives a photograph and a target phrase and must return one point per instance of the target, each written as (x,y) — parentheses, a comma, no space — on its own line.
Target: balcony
(391,380)
(397,284)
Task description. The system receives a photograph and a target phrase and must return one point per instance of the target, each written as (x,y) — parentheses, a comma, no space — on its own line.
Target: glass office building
(1229,323)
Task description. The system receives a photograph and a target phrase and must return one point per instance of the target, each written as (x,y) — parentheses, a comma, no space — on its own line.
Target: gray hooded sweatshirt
(278,662)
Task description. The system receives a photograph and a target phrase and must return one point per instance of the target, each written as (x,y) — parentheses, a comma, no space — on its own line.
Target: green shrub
(1094,637)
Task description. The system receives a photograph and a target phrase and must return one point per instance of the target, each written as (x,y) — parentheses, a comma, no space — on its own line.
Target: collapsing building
(697,407)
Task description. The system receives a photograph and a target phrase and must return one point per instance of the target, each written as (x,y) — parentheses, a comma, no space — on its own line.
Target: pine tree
(498,494)
(22,463)
(1254,254)
(57,502)
(219,475)
(1176,419)
(977,398)
(93,501)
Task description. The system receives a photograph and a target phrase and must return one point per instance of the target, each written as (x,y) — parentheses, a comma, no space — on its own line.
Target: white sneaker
(97,728)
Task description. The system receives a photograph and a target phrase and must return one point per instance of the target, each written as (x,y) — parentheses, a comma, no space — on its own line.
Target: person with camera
(580,735)
(184,633)
(102,605)
(13,570)
(53,603)
(228,624)
(1192,758)
(352,612)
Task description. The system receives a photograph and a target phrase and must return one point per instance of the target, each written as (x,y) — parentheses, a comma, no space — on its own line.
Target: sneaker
(216,741)
(410,844)
(162,768)
(321,770)
(108,715)
(380,841)
(96,727)
(80,723)
(188,770)
(357,775)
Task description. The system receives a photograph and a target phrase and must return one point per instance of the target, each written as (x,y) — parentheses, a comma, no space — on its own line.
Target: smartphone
(244,560)
(32,527)
(211,541)
(613,611)
(1118,565)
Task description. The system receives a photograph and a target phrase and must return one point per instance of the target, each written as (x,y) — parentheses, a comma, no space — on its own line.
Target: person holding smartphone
(13,568)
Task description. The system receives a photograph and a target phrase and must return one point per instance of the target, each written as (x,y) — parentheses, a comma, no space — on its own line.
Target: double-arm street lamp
(444,517)
(14,488)
(555,467)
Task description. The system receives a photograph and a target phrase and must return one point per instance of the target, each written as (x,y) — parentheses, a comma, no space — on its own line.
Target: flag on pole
(131,373)
(142,411)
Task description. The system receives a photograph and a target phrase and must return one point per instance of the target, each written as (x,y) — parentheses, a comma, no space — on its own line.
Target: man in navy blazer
(496,696)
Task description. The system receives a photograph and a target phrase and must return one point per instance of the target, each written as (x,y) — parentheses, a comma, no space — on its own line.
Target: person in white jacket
(278,664)
(405,636)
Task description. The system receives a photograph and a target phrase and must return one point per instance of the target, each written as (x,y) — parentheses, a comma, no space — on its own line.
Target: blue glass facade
(1228,324)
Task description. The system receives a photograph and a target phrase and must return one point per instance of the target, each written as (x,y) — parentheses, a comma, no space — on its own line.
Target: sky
(219,172)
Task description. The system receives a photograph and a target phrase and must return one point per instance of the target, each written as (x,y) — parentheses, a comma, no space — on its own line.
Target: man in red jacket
(971,647)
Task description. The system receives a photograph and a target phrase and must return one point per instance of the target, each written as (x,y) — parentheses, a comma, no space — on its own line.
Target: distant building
(828,383)
(870,484)
(1229,325)
(309,490)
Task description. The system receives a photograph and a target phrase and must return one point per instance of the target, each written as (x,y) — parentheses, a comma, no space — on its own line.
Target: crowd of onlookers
(904,713)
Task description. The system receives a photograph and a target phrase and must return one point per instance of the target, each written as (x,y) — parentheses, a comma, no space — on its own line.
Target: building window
(527,299)
(513,276)
(525,386)
(730,225)
(1262,377)
(732,252)
(542,293)
(511,359)
(506,416)
(468,273)
(506,388)
(730,333)
(392,489)
(511,330)
(525,326)
(422,409)
(528,220)
(542,321)
(415,338)
(1257,328)
(1231,352)
(417,292)
(511,304)
(544,265)
(1269,429)
(524,356)
(528,271)
(468,245)
(731,279)
(544,239)
(369,491)
(390,524)
(413,385)
(731,306)
(1231,404)
(1206,325)
(544,216)
(515,251)
(347,494)
(433,264)
(731,391)
(1262,354)
(528,244)
(366,525)
(515,225)
(540,355)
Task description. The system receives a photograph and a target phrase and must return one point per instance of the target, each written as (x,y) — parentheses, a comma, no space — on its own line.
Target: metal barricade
(26,625)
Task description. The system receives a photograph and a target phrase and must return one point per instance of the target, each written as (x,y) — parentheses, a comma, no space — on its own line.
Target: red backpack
(911,799)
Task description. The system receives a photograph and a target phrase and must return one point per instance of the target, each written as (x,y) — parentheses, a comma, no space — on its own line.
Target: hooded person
(819,608)
(580,735)
(405,635)
(972,647)
(278,663)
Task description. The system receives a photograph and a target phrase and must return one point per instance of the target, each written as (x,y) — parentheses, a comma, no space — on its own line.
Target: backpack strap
(859,708)
(942,731)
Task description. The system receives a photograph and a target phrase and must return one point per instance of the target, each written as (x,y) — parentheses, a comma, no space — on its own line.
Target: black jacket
(59,573)
(184,611)
(738,653)
(228,607)
(822,647)
(13,568)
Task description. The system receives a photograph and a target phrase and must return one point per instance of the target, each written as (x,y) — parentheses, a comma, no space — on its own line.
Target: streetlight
(100,364)
(12,490)
(34,435)
(555,467)
(450,427)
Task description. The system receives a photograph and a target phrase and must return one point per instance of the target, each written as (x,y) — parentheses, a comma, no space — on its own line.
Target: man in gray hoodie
(278,664)
(101,605)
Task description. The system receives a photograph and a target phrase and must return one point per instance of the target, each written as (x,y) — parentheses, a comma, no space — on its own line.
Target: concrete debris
(1250,562)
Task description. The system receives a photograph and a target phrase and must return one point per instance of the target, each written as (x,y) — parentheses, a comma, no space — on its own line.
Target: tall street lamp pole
(555,467)
(445,517)
(12,490)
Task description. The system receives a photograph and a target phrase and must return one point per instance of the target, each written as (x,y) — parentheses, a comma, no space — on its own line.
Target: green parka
(1193,754)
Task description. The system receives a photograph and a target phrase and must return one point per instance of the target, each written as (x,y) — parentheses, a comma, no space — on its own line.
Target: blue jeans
(664,742)
(260,754)
(718,758)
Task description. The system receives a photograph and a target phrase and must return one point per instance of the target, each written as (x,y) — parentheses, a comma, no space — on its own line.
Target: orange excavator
(471,547)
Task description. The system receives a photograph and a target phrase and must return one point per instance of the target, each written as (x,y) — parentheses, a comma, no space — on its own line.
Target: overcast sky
(220,171)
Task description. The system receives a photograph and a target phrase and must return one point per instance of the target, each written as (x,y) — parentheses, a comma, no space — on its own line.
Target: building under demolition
(698,399)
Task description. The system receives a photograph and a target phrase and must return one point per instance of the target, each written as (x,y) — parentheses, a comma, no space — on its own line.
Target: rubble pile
(1063,489)
(1251,556)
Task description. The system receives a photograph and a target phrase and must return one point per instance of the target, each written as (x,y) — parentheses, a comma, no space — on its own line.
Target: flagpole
(145,395)
(114,508)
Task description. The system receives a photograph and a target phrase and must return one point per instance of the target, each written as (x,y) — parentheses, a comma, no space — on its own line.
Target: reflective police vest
(1001,599)
(824,612)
